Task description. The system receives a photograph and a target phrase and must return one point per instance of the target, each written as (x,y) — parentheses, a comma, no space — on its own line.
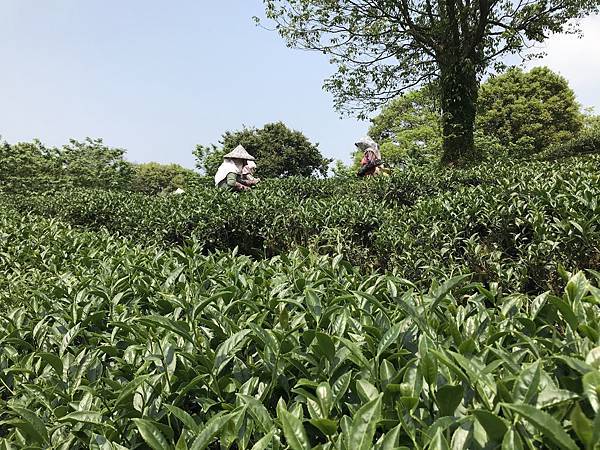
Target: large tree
(279,152)
(384,47)
(408,125)
(530,110)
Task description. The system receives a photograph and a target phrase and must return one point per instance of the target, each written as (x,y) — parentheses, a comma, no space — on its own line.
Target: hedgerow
(514,223)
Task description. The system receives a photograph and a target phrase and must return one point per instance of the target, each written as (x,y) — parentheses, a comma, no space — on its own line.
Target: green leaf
(325,398)
(366,391)
(577,287)
(494,426)
(439,442)
(151,434)
(209,431)
(429,367)
(327,426)
(591,389)
(325,345)
(37,426)
(448,398)
(443,290)
(593,358)
(167,324)
(293,430)
(390,439)
(83,417)
(54,361)
(551,397)
(264,442)
(258,412)
(340,387)
(184,417)
(363,425)
(526,386)
(512,441)
(389,337)
(582,425)
(545,423)
(228,348)
(356,352)
(314,303)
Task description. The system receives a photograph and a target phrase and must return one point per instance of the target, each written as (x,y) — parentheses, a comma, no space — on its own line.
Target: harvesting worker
(248,177)
(371,163)
(230,173)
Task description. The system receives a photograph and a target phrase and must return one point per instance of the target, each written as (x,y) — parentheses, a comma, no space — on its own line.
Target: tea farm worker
(371,160)
(248,177)
(229,173)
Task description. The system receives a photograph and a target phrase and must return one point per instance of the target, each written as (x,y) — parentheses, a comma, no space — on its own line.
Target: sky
(156,78)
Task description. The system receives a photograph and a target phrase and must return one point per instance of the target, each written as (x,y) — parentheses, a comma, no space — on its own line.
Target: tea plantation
(433,309)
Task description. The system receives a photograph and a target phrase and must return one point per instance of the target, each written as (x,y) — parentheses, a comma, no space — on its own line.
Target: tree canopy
(88,163)
(531,110)
(408,125)
(155,178)
(383,47)
(279,152)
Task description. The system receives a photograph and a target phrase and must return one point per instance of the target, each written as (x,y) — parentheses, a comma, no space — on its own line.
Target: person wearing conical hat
(229,173)
(248,177)
(370,163)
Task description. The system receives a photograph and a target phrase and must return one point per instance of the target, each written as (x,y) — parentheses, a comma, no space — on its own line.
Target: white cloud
(578,60)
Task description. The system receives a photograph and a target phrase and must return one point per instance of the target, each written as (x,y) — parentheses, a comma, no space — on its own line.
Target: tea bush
(108,344)
(512,223)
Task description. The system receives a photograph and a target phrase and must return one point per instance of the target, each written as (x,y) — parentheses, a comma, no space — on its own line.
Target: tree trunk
(458,85)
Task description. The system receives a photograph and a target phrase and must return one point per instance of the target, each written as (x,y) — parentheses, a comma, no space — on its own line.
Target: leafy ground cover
(108,344)
(514,223)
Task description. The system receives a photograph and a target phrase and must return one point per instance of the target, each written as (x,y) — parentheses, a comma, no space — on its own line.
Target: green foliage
(340,170)
(586,142)
(384,48)
(90,163)
(591,122)
(528,110)
(409,125)
(35,167)
(28,166)
(513,223)
(208,158)
(279,152)
(154,178)
(120,345)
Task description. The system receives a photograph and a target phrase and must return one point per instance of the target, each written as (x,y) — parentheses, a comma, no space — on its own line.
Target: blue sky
(157,77)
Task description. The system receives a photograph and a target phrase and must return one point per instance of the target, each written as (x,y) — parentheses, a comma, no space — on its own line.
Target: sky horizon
(157,80)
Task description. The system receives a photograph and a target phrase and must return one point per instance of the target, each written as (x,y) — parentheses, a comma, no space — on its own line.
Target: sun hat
(239,153)
(365,143)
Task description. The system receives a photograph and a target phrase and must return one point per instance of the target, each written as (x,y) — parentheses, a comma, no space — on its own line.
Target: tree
(154,178)
(279,152)
(591,122)
(530,110)
(33,166)
(384,47)
(409,125)
(91,163)
(208,158)
(28,166)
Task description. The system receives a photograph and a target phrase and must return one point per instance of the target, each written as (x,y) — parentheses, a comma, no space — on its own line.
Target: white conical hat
(365,143)
(239,153)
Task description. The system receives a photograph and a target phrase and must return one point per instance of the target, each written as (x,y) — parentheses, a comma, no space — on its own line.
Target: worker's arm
(233,183)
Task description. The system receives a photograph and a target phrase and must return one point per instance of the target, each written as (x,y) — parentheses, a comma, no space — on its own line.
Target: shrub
(587,142)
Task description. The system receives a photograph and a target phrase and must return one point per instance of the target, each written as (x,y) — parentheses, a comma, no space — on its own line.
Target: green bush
(106,343)
(587,142)
(511,222)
